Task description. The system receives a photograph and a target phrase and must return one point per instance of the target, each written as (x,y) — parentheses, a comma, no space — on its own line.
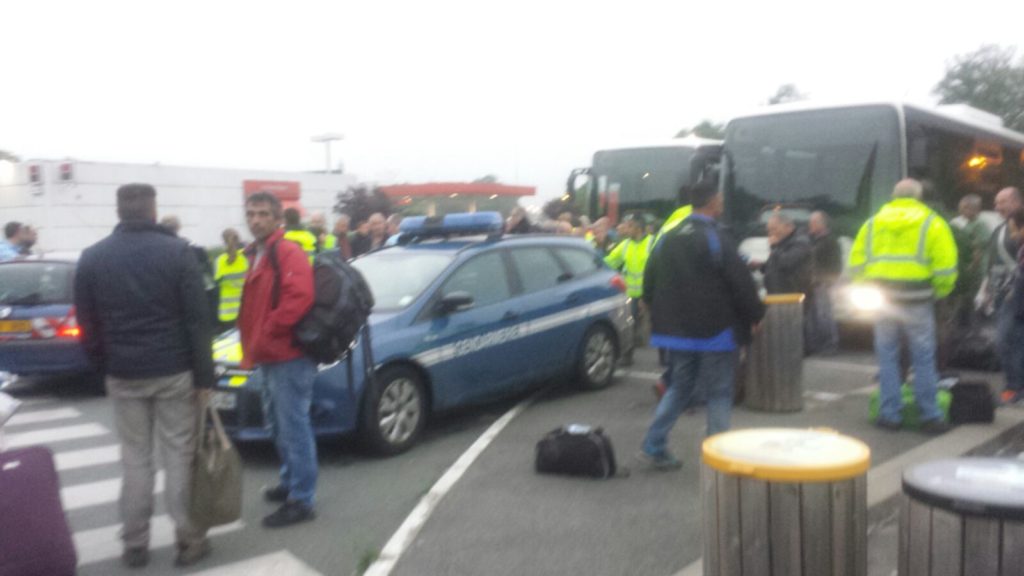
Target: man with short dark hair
(10,246)
(139,300)
(821,335)
(294,231)
(278,293)
(995,292)
(703,304)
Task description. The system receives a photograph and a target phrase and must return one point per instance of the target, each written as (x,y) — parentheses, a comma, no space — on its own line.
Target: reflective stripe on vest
(231,277)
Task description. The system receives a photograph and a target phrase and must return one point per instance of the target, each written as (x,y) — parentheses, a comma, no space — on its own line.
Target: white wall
(73,215)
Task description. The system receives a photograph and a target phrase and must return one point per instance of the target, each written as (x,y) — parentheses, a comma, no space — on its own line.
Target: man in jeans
(703,299)
(278,292)
(142,310)
(908,252)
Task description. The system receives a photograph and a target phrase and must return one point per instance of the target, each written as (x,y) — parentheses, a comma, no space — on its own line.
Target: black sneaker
(934,427)
(135,557)
(888,425)
(288,514)
(276,495)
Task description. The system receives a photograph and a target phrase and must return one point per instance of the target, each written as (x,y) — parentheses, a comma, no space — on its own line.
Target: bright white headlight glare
(866,298)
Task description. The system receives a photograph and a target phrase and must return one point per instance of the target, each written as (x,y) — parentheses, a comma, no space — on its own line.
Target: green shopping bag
(216,495)
(910,413)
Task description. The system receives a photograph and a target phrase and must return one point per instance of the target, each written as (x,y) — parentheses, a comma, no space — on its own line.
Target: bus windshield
(645,179)
(843,161)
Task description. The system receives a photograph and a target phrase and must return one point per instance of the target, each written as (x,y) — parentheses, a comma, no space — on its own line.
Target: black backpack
(576,450)
(341,307)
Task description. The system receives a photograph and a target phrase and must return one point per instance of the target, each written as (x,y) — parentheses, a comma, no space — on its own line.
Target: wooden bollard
(773,375)
(963,517)
(784,502)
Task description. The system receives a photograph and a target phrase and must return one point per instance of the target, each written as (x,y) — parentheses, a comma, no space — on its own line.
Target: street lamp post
(326,140)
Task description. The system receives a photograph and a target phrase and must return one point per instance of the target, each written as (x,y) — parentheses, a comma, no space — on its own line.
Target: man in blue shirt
(703,304)
(10,247)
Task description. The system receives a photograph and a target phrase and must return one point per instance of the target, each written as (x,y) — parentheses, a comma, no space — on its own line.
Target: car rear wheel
(597,358)
(394,412)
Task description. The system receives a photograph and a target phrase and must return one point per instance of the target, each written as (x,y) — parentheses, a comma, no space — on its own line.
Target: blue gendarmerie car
(463,315)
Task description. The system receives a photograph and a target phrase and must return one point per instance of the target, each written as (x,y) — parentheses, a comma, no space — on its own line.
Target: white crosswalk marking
(50,435)
(74,459)
(279,563)
(104,543)
(102,492)
(21,419)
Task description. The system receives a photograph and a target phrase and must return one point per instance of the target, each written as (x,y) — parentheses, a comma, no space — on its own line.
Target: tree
(488,179)
(706,129)
(360,201)
(5,155)
(786,93)
(553,208)
(988,79)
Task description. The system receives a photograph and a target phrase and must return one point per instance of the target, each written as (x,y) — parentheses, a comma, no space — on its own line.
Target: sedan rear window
(35,283)
(396,278)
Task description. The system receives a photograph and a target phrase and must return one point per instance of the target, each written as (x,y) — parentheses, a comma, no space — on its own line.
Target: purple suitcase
(34,535)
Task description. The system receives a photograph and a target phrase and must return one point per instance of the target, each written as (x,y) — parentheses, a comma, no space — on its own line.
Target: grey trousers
(165,410)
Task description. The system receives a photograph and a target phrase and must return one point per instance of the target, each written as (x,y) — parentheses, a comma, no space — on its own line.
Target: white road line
(409,529)
(104,543)
(26,402)
(280,563)
(102,492)
(55,435)
(74,459)
(639,374)
(886,479)
(21,419)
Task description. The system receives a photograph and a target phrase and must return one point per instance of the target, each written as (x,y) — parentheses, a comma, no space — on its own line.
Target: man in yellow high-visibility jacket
(630,257)
(908,252)
(229,274)
(296,233)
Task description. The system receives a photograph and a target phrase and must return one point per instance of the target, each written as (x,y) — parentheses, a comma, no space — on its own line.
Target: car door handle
(509,316)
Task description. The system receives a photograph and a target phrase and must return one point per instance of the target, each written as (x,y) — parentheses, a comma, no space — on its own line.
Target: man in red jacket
(278,292)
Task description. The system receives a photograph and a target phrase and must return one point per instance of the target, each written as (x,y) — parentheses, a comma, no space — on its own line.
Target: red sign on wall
(288,192)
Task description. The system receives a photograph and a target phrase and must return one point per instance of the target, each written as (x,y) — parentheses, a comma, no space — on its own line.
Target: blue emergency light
(464,224)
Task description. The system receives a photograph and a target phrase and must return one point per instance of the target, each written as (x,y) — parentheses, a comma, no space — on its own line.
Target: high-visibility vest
(630,256)
(677,217)
(305,239)
(909,245)
(329,243)
(231,278)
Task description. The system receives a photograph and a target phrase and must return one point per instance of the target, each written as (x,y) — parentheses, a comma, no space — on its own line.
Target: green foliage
(991,79)
(706,129)
(360,201)
(5,155)
(786,93)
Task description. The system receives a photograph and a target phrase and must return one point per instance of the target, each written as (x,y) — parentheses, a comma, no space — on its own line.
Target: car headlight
(866,298)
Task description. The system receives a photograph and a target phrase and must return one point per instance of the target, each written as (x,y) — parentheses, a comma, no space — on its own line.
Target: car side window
(579,262)
(483,277)
(537,268)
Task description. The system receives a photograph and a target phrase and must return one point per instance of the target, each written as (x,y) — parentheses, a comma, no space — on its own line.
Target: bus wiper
(26,300)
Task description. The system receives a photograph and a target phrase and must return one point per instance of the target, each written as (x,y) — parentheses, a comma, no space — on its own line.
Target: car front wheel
(597,358)
(394,412)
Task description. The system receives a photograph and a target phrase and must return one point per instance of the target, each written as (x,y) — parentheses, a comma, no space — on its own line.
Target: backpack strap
(275,290)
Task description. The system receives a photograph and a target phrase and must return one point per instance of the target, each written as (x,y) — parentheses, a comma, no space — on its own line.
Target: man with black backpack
(278,294)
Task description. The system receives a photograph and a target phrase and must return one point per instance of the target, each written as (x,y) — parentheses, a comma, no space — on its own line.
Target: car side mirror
(455,302)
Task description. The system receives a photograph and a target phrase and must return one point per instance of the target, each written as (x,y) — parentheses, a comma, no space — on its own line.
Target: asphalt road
(499,518)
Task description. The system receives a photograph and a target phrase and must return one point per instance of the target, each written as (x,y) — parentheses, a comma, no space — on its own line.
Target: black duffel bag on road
(576,450)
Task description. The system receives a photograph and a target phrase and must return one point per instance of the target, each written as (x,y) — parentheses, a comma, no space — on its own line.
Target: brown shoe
(189,554)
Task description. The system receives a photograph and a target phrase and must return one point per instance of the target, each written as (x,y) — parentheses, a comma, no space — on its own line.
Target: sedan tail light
(67,327)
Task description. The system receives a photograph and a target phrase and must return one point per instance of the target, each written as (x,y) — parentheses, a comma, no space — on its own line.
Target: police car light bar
(464,224)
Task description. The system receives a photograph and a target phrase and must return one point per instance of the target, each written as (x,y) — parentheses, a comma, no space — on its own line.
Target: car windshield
(35,283)
(397,277)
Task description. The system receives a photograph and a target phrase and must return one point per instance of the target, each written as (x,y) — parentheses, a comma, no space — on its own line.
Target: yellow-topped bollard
(785,502)
(773,371)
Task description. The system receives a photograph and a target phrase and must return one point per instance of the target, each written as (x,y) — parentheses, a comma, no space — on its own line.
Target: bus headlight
(866,298)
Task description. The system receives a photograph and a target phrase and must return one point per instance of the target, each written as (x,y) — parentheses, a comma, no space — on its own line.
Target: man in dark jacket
(278,293)
(821,336)
(788,269)
(702,299)
(142,310)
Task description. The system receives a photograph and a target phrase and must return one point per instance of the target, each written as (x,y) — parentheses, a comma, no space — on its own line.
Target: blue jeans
(917,320)
(287,393)
(694,374)
(1010,342)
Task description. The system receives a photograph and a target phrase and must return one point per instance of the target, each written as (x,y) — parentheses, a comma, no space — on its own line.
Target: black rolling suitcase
(34,535)
(972,403)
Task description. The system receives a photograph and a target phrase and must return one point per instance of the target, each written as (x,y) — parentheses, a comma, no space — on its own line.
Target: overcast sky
(443,90)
